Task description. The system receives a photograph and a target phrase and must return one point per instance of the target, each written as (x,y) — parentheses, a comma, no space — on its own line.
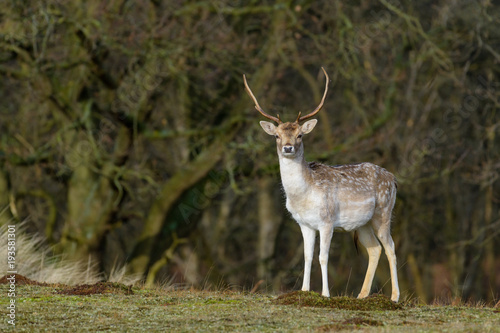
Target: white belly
(315,211)
(354,214)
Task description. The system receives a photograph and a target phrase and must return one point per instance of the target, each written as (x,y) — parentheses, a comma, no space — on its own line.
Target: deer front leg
(325,235)
(309,236)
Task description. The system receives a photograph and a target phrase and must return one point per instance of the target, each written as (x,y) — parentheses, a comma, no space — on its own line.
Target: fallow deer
(353,197)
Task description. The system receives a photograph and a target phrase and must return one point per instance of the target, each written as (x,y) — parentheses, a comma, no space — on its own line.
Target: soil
(22,280)
(83,289)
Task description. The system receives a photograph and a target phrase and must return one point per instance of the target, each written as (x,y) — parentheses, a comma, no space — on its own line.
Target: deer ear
(268,127)
(308,126)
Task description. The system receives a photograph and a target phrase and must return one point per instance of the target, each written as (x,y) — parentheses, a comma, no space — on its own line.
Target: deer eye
(277,136)
(299,136)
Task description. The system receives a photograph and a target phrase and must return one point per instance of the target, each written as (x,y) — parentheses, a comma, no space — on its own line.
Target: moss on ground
(311,298)
(97,288)
(349,324)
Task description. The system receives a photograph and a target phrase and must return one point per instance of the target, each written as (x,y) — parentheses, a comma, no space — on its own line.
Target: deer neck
(295,174)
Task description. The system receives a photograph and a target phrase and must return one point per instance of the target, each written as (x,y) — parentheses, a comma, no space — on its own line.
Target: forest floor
(116,307)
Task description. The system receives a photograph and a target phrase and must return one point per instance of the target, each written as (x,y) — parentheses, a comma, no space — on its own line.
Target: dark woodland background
(126,135)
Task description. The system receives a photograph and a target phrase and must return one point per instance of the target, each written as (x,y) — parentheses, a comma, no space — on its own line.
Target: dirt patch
(98,288)
(21,280)
(310,298)
(83,289)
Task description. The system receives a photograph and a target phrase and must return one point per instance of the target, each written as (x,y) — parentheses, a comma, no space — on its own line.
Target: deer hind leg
(325,235)
(309,236)
(382,228)
(369,241)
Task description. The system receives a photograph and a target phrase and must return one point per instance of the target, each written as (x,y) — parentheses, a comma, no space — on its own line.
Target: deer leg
(384,235)
(369,241)
(325,235)
(309,236)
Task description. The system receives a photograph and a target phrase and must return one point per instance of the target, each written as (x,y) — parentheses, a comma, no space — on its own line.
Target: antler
(257,106)
(299,118)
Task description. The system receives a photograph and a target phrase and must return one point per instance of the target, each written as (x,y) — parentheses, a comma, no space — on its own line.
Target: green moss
(222,301)
(311,298)
(356,322)
(98,288)
(40,308)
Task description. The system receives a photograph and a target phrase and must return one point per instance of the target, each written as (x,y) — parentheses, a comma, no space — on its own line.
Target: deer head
(288,135)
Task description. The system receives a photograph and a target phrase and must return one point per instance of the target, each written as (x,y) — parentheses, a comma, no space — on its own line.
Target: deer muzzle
(288,150)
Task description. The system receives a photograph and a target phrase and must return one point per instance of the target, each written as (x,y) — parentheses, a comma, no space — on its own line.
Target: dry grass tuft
(37,262)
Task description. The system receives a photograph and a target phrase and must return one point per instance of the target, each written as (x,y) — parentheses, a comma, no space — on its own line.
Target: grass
(371,303)
(115,307)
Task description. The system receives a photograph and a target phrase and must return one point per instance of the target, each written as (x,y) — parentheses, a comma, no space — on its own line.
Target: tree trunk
(269,222)
(5,214)
(170,193)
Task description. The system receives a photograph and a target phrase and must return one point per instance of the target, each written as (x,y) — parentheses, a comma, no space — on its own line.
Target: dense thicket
(126,134)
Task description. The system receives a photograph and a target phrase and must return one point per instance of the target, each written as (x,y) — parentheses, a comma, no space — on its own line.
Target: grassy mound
(83,289)
(98,288)
(311,298)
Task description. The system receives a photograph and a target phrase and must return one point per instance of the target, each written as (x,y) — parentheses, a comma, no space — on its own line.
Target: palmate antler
(299,118)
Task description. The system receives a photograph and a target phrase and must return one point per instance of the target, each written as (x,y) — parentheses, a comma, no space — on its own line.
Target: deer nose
(288,149)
